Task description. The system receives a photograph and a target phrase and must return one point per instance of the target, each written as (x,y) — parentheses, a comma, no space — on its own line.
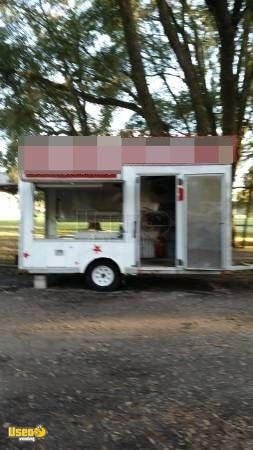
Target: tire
(103,276)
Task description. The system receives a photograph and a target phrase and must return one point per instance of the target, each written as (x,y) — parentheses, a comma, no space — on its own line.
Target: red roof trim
(71,175)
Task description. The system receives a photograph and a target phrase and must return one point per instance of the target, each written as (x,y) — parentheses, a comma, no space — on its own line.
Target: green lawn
(9,231)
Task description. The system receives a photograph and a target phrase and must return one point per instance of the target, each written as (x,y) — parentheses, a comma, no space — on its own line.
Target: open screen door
(204,220)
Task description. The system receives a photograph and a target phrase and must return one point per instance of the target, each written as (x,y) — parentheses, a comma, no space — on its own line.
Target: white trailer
(140,218)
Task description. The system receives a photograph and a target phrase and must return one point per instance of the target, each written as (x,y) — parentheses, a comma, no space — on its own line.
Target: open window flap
(70,202)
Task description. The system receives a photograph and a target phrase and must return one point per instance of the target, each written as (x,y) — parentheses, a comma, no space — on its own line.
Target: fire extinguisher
(159,247)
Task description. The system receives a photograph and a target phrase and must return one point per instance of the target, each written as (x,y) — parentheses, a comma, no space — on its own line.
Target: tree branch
(237,13)
(87,97)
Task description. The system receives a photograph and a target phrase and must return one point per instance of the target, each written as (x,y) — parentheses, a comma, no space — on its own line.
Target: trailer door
(137,222)
(204,222)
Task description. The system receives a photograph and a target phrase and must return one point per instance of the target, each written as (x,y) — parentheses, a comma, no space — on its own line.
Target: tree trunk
(226,24)
(183,56)
(154,121)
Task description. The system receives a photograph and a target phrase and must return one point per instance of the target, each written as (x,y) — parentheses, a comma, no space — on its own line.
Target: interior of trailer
(88,211)
(157,220)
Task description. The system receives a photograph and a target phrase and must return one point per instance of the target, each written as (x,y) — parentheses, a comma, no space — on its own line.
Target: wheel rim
(103,276)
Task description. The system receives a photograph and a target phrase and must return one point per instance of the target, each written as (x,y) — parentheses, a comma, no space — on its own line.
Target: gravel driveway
(161,364)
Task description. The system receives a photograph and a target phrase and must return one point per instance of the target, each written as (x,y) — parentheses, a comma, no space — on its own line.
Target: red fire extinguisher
(159,247)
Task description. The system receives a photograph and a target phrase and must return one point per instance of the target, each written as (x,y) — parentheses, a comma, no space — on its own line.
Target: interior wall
(158,218)
(79,202)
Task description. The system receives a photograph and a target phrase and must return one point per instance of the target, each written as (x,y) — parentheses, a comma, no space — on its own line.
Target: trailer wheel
(103,275)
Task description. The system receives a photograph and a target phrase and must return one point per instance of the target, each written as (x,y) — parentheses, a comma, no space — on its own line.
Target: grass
(9,232)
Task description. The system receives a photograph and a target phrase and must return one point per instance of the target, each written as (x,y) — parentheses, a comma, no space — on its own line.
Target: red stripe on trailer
(71,175)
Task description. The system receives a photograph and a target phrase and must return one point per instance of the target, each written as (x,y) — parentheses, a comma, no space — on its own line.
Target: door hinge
(135,229)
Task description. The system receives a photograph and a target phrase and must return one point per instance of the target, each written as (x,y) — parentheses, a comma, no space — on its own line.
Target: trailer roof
(92,157)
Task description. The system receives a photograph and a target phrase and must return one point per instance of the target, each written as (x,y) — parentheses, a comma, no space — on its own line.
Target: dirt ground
(161,364)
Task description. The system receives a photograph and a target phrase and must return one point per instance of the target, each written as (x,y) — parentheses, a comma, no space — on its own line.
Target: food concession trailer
(112,206)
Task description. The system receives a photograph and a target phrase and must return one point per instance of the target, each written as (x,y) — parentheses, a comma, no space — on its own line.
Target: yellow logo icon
(40,432)
(27,433)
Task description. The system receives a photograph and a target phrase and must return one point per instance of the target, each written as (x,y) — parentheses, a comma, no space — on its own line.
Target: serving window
(91,211)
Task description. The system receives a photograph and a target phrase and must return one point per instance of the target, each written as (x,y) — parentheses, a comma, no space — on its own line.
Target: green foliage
(248,179)
(60,58)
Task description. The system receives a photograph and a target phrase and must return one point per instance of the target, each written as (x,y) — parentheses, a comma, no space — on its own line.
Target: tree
(184,69)
(244,204)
